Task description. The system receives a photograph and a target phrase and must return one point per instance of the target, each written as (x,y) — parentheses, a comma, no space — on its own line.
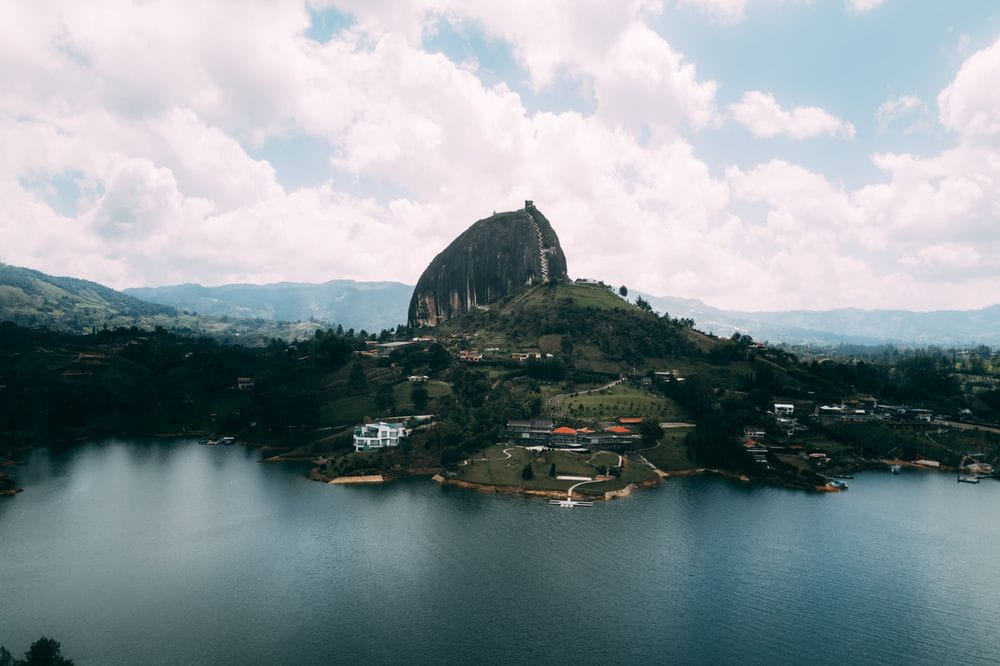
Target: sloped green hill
(32,298)
(36,300)
(586,324)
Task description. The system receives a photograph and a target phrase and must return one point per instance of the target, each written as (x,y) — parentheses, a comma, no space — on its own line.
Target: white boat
(895,469)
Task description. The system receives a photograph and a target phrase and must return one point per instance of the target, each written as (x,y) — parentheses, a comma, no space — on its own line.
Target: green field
(583,295)
(501,471)
(672,453)
(621,401)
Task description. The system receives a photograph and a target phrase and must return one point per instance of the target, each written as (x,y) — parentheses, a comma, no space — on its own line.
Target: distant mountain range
(31,298)
(371,306)
(842,326)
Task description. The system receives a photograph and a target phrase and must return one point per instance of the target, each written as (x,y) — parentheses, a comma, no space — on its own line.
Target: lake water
(166,552)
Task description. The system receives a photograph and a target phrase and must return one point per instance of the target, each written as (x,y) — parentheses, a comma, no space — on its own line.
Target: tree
(384,398)
(623,291)
(643,304)
(438,357)
(527,473)
(650,431)
(357,381)
(552,470)
(418,395)
(45,652)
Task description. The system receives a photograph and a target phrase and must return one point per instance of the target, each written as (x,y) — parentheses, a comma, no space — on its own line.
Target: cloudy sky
(756,154)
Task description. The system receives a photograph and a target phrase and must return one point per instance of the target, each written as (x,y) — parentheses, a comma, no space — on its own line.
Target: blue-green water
(171,553)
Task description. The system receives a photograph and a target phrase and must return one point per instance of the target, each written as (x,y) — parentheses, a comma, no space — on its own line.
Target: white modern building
(783,409)
(378,435)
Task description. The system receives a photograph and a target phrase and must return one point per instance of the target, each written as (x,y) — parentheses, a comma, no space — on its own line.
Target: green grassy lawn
(606,458)
(507,472)
(583,295)
(621,401)
(346,411)
(401,394)
(672,453)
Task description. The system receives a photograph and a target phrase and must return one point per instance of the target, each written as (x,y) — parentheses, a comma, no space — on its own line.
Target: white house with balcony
(378,435)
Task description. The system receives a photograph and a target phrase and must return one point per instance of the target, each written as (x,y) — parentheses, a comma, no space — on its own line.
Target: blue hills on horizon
(33,298)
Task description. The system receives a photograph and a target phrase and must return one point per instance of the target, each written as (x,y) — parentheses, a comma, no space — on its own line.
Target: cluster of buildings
(527,356)
(868,408)
(471,356)
(542,432)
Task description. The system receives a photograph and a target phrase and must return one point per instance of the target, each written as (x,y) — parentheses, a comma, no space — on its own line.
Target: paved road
(965,426)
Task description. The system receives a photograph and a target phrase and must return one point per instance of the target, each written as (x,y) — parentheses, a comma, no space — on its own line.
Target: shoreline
(539,492)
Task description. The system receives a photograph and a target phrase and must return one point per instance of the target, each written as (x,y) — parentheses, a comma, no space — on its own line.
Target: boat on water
(968,479)
(895,469)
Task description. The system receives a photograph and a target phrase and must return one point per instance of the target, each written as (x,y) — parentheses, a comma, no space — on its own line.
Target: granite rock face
(494,258)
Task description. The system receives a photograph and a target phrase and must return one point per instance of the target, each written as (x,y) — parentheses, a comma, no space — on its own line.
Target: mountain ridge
(370,306)
(39,306)
(842,325)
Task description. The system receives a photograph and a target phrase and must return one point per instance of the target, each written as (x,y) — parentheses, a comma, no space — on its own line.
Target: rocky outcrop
(492,259)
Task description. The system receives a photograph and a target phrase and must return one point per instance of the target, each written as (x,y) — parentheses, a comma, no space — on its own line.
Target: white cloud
(970,105)
(760,113)
(895,108)
(723,11)
(863,6)
(156,116)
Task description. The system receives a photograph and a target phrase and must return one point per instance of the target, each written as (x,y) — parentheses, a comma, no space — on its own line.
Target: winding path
(506,456)
(556,400)
(569,493)
(597,453)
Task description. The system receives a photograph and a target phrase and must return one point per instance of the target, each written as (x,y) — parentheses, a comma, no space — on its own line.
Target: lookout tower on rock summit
(494,258)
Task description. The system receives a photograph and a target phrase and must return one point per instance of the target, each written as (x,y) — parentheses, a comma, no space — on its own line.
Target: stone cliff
(494,258)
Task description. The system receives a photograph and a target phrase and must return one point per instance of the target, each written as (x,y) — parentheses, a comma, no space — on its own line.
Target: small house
(378,435)
(783,409)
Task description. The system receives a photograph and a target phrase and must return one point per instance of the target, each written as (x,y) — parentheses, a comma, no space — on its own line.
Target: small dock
(568,503)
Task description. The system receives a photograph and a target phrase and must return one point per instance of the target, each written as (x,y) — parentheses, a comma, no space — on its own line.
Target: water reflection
(160,551)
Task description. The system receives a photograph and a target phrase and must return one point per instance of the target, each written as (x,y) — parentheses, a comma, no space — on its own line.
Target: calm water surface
(169,553)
